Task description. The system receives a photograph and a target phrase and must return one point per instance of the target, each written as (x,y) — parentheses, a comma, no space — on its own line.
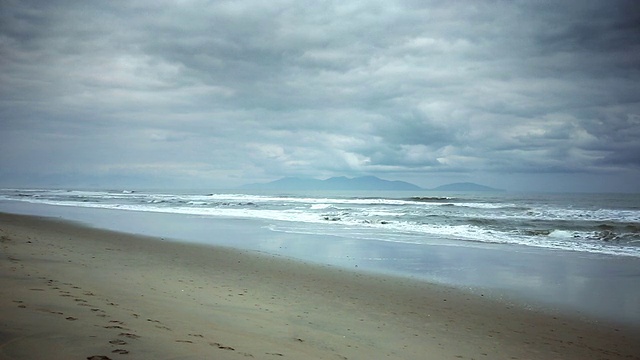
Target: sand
(72,292)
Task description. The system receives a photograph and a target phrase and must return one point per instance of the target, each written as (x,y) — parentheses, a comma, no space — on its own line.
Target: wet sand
(68,291)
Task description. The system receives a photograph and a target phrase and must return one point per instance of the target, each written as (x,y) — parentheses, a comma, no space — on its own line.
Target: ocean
(594,223)
(577,253)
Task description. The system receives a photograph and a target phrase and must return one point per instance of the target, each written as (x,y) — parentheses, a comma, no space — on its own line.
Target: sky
(520,95)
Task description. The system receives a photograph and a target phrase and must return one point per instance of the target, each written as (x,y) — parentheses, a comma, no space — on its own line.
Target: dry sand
(70,292)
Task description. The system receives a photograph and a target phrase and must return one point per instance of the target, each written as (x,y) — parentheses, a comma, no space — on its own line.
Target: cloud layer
(523,95)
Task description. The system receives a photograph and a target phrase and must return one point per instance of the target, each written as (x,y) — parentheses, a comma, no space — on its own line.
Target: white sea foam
(320,206)
(562,234)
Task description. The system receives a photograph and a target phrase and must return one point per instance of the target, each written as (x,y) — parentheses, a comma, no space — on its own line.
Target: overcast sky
(521,95)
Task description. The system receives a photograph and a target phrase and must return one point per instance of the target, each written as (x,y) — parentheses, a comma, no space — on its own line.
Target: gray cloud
(218,93)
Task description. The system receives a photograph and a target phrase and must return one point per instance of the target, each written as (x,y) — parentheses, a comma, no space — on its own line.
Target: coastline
(596,287)
(76,292)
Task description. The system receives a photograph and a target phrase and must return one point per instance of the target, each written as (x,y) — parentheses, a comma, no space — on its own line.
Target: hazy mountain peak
(370,183)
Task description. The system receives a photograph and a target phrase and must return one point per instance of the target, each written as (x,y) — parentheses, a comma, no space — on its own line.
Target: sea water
(595,223)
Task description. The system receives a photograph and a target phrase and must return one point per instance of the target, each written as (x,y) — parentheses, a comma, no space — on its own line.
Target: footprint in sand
(98,357)
(118,342)
(222,347)
(159,326)
(115,324)
(113,327)
(120,351)
(51,311)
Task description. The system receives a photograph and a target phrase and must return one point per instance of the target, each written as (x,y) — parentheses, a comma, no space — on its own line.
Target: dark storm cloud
(226,92)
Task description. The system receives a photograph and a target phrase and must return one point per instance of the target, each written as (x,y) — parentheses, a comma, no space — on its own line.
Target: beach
(70,291)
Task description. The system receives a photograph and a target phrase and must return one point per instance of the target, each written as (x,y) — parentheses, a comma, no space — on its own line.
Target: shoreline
(70,291)
(596,287)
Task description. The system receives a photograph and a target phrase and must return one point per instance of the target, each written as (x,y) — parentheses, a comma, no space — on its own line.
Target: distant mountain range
(358,183)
